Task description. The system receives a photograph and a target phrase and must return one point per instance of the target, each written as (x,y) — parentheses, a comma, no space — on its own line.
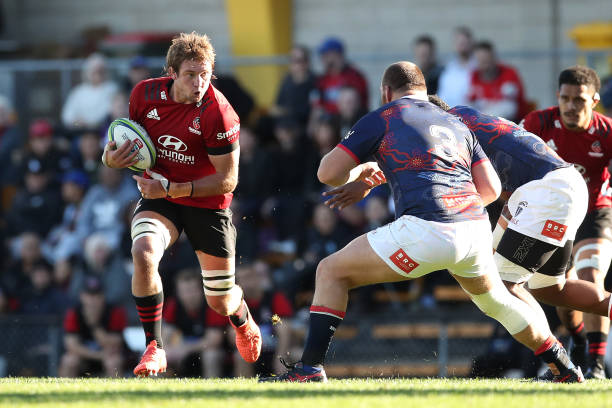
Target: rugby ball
(122,130)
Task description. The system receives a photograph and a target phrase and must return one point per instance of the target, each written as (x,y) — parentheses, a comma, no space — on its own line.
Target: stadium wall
(376,33)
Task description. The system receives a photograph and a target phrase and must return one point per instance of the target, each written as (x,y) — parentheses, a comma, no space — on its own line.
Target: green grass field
(427,393)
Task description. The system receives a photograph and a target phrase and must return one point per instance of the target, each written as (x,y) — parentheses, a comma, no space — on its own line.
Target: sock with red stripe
(555,355)
(597,347)
(578,335)
(323,324)
(150,314)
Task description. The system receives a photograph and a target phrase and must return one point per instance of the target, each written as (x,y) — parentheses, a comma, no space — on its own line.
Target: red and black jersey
(329,85)
(185,135)
(192,324)
(270,304)
(506,86)
(590,151)
(114,319)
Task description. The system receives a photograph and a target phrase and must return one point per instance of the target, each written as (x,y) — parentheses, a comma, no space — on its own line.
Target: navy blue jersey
(426,155)
(517,155)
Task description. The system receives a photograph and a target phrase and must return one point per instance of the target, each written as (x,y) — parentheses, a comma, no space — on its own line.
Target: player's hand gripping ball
(124,130)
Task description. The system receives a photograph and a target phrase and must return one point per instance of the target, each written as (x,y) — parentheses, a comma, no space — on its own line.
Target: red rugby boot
(248,339)
(153,361)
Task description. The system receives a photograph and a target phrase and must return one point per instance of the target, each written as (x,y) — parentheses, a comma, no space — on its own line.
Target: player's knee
(502,306)
(219,304)
(328,272)
(144,253)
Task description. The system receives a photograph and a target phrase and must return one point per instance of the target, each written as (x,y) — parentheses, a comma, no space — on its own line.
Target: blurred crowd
(64,217)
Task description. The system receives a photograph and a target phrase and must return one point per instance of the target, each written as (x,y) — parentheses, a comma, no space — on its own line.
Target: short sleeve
(71,322)
(478,154)
(363,140)
(134,103)
(118,320)
(226,131)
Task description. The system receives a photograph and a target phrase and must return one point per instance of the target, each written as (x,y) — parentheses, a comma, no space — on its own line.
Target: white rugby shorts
(414,247)
(550,209)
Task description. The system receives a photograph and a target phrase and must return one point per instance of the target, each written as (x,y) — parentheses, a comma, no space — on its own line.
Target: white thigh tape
(150,227)
(599,261)
(539,280)
(218,283)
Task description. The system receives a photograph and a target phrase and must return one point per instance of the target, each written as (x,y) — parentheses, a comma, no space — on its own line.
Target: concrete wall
(376,32)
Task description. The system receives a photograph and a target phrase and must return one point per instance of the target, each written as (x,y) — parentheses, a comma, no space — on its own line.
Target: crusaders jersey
(518,156)
(426,155)
(590,151)
(185,135)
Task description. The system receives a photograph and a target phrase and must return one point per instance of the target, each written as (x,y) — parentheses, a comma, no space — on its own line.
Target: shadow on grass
(280,394)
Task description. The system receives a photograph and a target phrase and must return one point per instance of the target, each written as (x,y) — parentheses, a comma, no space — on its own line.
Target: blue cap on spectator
(138,62)
(77,177)
(331,44)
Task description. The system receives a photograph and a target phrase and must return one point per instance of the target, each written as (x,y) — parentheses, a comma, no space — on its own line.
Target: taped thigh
(596,256)
(218,282)
(541,280)
(151,227)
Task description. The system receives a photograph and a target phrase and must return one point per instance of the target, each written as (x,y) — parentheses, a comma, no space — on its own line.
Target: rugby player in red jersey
(195,132)
(584,137)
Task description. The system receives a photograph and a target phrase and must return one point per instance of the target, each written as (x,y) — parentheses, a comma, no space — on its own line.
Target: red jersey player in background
(195,132)
(584,137)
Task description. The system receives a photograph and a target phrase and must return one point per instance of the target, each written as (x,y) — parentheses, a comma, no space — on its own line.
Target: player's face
(192,81)
(576,103)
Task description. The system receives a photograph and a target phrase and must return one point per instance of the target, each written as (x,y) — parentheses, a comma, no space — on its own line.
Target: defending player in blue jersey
(440,180)
(534,235)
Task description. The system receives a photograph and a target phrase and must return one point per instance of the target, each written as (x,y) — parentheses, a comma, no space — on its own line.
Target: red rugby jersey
(590,151)
(186,134)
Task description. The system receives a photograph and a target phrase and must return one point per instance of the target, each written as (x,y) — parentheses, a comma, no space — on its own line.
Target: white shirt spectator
(89,103)
(454,85)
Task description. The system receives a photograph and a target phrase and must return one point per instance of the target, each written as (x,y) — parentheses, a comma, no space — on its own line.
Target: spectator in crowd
(104,205)
(193,332)
(240,99)
(454,83)
(139,70)
(89,153)
(43,297)
(350,109)
(254,187)
(495,88)
(272,311)
(606,95)
(120,107)
(37,207)
(326,134)
(10,141)
(426,59)
(62,241)
(337,73)
(101,261)
(292,171)
(89,102)
(15,278)
(41,147)
(93,335)
(296,90)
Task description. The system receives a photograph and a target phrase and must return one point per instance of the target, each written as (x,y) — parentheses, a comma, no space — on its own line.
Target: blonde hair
(192,46)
